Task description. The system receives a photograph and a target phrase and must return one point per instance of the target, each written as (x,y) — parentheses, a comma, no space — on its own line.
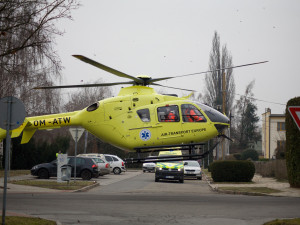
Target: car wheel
(199,178)
(181,180)
(43,174)
(86,175)
(117,170)
(156,179)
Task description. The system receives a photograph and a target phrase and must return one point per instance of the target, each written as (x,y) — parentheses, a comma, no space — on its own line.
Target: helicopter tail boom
(47,122)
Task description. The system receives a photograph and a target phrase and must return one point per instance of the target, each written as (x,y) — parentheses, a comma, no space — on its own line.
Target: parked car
(103,165)
(149,166)
(117,165)
(192,169)
(86,168)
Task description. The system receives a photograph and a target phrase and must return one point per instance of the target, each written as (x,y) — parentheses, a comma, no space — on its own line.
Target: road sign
(295,113)
(12,113)
(76,133)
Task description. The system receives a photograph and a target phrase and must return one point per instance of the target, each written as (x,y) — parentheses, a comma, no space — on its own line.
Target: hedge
(232,171)
(292,146)
(249,154)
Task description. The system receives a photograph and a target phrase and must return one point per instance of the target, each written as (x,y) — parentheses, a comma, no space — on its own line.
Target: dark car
(86,168)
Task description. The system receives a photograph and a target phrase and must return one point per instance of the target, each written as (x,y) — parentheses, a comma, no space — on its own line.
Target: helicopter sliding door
(168,118)
(194,123)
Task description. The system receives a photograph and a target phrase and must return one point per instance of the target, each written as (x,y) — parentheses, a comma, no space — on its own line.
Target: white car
(117,165)
(192,169)
(103,165)
(149,166)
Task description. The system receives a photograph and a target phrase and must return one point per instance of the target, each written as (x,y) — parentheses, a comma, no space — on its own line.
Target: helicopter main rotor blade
(159,79)
(173,87)
(84,85)
(225,68)
(106,68)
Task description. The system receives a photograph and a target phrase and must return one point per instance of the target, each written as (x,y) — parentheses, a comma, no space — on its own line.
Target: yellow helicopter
(138,118)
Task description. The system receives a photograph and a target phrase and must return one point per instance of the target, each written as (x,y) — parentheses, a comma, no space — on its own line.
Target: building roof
(277,115)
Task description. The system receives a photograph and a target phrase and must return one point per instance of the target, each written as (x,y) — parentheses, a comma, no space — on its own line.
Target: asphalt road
(136,199)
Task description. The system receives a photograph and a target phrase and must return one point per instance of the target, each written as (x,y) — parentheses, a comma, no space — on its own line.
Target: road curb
(87,187)
(216,189)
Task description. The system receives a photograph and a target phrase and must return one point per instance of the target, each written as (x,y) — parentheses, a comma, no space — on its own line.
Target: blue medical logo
(145,134)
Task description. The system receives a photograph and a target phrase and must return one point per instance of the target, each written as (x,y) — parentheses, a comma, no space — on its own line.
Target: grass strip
(13,173)
(13,220)
(72,185)
(295,221)
(263,190)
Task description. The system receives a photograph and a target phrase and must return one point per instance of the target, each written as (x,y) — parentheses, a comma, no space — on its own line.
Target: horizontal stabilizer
(27,135)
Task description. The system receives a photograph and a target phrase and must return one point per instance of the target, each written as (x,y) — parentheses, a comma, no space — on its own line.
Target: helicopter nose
(219,120)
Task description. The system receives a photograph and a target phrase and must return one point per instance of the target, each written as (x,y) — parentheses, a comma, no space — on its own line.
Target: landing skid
(183,147)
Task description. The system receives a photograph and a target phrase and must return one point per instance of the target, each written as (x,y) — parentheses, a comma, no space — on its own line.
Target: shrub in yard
(232,171)
(249,154)
(292,154)
(237,156)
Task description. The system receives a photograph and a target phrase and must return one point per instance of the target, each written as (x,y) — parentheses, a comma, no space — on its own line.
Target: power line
(263,100)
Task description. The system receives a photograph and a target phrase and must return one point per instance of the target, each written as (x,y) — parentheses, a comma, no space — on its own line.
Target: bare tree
(27,57)
(86,96)
(219,59)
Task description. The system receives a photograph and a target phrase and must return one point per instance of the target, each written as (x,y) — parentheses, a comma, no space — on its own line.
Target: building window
(280,144)
(281,126)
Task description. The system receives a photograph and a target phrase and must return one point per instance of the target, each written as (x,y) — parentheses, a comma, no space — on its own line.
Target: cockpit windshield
(213,115)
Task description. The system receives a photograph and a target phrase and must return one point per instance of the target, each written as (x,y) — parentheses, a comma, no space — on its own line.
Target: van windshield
(176,159)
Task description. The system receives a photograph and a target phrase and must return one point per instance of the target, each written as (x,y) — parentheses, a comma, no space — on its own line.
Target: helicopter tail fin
(27,134)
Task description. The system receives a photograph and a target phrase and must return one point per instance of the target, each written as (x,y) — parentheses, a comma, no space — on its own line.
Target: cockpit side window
(191,114)
(144,115)
(168,113)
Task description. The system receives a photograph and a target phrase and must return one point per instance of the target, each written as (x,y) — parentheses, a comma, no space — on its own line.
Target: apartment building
(273,133)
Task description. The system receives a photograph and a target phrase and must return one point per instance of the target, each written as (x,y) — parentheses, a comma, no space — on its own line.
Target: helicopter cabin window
(144,115)
(168,113)
(191,114)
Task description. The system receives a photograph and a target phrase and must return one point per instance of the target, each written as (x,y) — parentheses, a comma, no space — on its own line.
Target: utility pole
(223,106)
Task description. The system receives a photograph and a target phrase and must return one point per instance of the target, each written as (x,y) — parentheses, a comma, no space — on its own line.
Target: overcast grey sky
(174,37)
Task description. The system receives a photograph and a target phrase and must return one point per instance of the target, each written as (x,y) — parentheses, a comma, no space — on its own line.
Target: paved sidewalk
(258,181)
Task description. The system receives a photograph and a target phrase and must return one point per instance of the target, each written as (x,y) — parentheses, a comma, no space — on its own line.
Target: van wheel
(43,174)
(86,175)
(117,170)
